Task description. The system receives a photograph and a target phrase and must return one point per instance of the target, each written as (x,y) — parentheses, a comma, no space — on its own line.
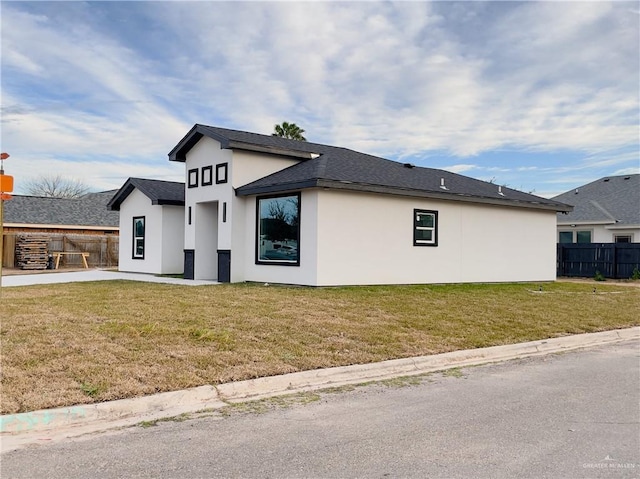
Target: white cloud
(459,168)
(627,171)
(398,79)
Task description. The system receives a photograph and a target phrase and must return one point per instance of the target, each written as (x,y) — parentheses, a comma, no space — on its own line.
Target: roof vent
(606,179)
(576,192)
(409,165)
(442,185)
(627,177)
(500,191)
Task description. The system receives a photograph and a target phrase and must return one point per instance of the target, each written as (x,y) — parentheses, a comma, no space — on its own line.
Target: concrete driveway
(93,275)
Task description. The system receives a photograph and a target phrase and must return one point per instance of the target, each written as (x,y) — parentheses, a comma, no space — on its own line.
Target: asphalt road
(575,415)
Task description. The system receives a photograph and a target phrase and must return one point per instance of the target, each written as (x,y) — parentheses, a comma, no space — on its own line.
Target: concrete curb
(18,430)
(169,403)
(339,376)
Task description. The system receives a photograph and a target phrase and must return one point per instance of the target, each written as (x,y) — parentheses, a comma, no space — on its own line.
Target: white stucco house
(268,209)
(605,211)
(152,221)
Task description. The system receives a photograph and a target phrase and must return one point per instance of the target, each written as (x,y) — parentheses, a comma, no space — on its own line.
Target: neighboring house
(268,209)
(38,214)
(605,211)
(151,226)
(67,224)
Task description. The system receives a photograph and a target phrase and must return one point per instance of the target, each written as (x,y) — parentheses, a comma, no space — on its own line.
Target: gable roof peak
(160,192)
(244,140)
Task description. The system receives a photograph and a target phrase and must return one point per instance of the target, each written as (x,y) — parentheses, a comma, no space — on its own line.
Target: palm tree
(289,130)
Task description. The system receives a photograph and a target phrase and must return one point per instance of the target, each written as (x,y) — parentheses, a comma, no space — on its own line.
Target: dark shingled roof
(334,167)
(244,140)
(88,210)
(158,191)
(612,199)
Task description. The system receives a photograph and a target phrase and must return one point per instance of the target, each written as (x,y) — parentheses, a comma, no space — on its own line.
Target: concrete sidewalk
(94,275)
(45,426)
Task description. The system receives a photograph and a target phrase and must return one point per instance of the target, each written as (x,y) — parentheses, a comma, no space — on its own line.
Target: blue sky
(538,96)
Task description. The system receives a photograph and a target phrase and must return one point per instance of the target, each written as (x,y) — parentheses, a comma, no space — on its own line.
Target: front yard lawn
(85,342)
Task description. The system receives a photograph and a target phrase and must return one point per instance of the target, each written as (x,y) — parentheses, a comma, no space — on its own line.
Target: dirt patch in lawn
(79,343)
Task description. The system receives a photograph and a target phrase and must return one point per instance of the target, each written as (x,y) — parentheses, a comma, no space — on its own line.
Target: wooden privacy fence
(102,249)
(611,260)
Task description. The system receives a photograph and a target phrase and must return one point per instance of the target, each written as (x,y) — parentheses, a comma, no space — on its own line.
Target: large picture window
(425,228)
(278,230)
(138,237)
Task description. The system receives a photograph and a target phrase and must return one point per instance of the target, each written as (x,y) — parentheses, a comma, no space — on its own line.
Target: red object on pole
(5,196)
(4,156)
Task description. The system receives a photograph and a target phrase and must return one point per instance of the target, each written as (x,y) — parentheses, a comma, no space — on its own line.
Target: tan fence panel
(102,249)
(9,251)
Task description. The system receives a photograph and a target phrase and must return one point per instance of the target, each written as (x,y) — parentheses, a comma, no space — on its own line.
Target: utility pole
(6,187)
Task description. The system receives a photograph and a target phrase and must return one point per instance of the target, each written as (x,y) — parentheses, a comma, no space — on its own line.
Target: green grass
(85,342)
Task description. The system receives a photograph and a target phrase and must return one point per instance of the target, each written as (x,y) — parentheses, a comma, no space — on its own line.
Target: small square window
(192,178)
(623,239)
(221,173)
(425,228)
(207,175)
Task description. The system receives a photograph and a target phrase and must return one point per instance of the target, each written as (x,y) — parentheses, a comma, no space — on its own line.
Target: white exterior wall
(611,233)
(602,233)
(368,239)
(249,166)
(208,231)
(138,204)
(172,239)
(207,152)
(350,238)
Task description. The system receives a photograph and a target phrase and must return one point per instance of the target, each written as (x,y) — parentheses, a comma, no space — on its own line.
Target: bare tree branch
(56,186)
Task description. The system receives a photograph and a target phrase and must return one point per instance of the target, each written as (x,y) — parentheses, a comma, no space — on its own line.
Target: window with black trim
(221,173)
(207,175)
(425,228)
(581,236)
(192,178)
(278,230)
(138,237)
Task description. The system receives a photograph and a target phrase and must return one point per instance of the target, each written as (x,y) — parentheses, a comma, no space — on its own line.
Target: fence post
(560,261)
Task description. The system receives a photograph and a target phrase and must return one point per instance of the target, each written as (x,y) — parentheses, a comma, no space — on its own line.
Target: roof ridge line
(321,168)
(603,210)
